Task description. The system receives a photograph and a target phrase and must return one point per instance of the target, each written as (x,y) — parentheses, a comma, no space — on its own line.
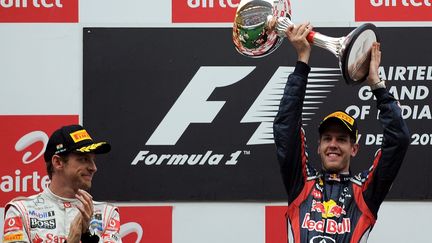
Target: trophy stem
(334,45)
(282,24)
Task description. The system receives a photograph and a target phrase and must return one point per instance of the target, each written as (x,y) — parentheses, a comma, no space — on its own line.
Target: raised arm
(395,138)
(288,134)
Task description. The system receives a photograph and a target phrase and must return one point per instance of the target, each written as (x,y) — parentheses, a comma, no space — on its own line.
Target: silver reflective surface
(253,30)
(260,25)
(359,55)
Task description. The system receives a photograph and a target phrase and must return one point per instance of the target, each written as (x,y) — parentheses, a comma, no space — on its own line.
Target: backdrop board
(191,119)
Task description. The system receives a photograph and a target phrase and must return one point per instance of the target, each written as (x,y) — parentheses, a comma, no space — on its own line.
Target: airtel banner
(275,224)
(203,11)
(21,153)
(393,10)
(38,11)
(146,224)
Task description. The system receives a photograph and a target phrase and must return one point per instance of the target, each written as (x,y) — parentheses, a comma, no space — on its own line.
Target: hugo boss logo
(42,224)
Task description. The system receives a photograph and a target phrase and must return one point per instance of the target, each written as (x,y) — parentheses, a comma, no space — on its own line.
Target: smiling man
(338,136)
(330,204)
(65,211)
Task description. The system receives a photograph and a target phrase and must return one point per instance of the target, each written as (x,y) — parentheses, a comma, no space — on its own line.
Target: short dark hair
(49,166)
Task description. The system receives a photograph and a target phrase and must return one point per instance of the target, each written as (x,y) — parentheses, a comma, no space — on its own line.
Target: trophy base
(356,54)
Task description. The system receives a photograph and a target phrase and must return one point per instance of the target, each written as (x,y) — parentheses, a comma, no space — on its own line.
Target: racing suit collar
(66,202)
(336,177)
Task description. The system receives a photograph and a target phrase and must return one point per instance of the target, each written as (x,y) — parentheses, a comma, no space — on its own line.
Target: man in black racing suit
(331,204)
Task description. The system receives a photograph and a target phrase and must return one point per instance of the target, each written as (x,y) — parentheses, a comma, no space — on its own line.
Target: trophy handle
(352,51)
(315,38)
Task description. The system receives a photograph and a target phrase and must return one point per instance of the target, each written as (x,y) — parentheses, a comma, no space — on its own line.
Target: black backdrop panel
(190,119)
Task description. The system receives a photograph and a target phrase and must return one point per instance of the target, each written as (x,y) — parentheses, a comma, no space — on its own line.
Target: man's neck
(62,189)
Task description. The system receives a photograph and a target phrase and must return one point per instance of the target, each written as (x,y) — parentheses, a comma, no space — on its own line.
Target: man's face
(336,148)
(79,170)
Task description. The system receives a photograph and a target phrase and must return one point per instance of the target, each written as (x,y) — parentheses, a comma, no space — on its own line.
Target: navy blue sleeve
(388,161)
(288,134)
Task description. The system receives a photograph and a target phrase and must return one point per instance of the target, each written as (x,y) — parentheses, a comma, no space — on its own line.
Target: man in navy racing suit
(331,204)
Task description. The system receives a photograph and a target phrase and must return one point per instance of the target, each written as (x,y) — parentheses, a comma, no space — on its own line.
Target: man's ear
(354,150)
(57,162)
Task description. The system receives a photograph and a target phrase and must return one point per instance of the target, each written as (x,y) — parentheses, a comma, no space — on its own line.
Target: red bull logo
(328,209)
(328,225)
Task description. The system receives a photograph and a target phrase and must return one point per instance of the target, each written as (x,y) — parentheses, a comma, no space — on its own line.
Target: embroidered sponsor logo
(343,117)
(19,236)
(322,239)
(329,209)
(96,225)
(37,239)
(42,224)
(55,238)
(331,226)
(90,148)
(41,215)
(13,224)
(98,215)
(80,135)
(113,225)
(316,194)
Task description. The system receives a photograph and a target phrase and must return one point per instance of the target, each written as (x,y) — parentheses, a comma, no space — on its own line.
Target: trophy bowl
(260,25)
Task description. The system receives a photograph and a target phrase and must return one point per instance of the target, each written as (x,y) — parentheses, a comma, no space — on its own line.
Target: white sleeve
(14,228)
(112,227)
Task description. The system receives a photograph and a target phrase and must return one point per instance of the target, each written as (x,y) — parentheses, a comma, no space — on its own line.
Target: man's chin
(332,169)
(85,186)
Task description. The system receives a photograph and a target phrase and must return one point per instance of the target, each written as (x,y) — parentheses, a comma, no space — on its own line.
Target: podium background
(45,74)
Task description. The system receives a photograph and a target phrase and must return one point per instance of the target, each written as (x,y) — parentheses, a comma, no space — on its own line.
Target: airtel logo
(406,3)
(34,3)
(39,11)
(18,182)
(131,227)
(199,11)
(29,139)
(211,3)
(393,10)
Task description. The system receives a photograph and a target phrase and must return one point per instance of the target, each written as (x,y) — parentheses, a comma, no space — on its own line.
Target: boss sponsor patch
(42,224)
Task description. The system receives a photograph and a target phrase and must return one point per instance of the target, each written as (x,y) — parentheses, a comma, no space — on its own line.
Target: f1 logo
(192,105)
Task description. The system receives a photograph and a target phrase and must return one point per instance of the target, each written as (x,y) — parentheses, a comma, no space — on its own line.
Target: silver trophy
(260,25)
